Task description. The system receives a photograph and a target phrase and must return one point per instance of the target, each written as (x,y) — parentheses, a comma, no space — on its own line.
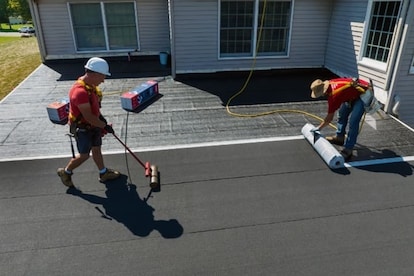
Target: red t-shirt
(79,95)
(337,96)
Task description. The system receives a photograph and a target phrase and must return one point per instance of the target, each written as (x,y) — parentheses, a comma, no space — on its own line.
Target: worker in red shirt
(86,121)
(343,94)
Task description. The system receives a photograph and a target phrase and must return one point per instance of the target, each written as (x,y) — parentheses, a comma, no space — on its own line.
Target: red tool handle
(128,149)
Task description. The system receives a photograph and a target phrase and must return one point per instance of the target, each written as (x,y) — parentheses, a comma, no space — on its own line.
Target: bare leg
(77,161)
(97,157)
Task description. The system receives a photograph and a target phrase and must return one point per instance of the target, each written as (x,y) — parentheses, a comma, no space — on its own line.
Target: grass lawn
(18,58)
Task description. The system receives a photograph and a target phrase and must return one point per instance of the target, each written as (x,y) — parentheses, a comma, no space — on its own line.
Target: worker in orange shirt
(343,94)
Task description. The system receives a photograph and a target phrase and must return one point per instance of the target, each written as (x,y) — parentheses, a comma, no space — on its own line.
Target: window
(104,26)
(240,28)
(383,20)
(275,33)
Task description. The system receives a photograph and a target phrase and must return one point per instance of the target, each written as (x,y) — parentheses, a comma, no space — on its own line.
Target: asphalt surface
(239,196)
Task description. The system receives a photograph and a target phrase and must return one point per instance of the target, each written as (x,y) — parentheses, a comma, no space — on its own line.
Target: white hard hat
(98,65)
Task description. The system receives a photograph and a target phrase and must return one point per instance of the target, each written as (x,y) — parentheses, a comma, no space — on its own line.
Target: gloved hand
(109,129)
(316,131)
(102,118)
(354,82)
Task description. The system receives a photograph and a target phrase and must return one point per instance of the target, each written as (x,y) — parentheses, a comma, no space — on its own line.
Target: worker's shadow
(396,166)
(123,204)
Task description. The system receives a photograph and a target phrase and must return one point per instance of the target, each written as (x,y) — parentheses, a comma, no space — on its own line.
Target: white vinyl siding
(345,37)
(323,33)
(403,82)
(153,28)
(56,29)
(199,51)
(345,47)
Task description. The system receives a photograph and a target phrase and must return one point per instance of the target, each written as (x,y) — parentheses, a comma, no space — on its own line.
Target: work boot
(108,175)
(65,177)
(336,140)
(347,154)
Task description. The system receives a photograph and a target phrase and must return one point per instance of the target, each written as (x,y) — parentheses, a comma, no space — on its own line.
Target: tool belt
(371,103)
(84,126)
(74,127)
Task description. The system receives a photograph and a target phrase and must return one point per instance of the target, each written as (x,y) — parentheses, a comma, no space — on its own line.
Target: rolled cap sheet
(328,152)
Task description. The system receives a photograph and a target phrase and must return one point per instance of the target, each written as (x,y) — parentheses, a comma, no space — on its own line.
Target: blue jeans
(352,113)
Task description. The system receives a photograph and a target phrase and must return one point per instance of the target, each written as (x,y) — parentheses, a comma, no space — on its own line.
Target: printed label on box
(58,112)
(133,99)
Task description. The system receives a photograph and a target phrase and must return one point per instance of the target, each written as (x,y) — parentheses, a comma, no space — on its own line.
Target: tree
(22,9)
(14,8)
(4,13)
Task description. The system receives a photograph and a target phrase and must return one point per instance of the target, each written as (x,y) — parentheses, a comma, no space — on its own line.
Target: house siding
(195,24)
(403,83)
(323,33)
(343,54)
(56,28)
(345,37)
(345,42)
(153,27)
(197,21)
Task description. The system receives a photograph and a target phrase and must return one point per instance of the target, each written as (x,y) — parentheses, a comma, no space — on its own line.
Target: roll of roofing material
(327,152)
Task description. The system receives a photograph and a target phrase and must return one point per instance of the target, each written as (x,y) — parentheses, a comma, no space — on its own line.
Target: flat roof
(240,195)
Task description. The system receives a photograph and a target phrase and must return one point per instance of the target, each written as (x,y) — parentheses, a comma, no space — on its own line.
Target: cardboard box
(58,112)
(133,99)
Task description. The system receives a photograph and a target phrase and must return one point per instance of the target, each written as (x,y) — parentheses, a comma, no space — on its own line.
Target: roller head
(154,182)
(147,169)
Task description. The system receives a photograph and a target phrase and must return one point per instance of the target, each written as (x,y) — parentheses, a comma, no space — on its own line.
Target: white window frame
(102,8)
(371,63)
(256,27)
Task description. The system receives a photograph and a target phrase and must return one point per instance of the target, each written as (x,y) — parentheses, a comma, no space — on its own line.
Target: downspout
(34,10)
(393,100)
(171,16)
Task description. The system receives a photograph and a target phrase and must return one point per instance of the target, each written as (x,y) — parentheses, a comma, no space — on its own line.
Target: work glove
(354,82)
(102,118)
(104,131)
(109,129)
(315,130)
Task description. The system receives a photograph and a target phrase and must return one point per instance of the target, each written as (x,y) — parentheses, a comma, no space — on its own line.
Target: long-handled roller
(150,170)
